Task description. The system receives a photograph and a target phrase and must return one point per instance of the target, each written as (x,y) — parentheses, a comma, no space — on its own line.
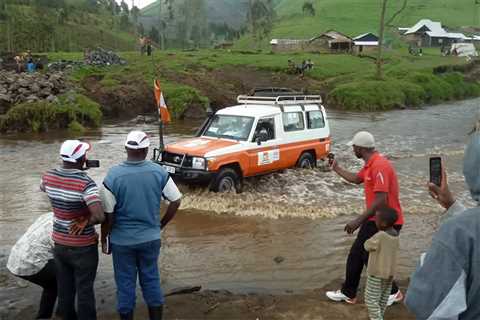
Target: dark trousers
(47,279)
(358,258)
(76,272)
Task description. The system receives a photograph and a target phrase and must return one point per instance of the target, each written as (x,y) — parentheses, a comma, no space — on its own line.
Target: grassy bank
(72,111)
(349,79)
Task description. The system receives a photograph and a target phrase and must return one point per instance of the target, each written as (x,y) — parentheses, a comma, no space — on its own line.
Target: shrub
(367,95)
(180,97)
(436,88)
(72,111)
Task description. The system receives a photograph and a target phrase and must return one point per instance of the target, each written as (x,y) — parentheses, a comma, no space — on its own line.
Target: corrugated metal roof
(366,43)
(433,26)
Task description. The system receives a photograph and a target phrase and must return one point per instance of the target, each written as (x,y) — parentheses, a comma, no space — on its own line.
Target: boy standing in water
(383,248)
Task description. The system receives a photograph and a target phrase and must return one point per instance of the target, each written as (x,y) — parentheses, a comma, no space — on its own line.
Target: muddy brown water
(284,234)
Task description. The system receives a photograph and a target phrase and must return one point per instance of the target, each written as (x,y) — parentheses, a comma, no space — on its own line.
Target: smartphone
(436,170)
(92,163)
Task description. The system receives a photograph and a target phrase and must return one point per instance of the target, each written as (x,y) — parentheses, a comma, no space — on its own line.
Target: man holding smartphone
(381,190)
(446,284)
(132,195)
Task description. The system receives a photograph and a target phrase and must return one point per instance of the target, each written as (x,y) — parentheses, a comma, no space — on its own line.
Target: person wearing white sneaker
(381,190)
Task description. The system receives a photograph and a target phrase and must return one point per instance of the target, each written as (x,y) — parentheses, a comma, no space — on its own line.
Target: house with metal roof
(366,42)
(428,33)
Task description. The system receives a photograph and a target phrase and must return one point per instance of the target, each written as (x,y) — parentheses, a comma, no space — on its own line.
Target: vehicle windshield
(230,127)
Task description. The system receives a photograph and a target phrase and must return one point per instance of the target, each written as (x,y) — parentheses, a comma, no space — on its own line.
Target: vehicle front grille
(176,159)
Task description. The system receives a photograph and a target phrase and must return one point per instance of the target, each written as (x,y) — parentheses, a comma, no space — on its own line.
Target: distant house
(366,42)
(288,45)
(428,33)
(332,41)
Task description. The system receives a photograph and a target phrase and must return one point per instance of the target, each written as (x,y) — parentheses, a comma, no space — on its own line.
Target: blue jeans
(141,259)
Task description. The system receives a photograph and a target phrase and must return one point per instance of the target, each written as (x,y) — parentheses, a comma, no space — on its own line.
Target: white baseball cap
(72,150)
(137,140)
(363,139)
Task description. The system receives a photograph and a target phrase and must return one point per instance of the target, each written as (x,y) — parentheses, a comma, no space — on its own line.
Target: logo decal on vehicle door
(268,157)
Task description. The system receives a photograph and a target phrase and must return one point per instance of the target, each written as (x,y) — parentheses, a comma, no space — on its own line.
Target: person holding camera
(446,284)
(133,192)
(76,204)
(381,190)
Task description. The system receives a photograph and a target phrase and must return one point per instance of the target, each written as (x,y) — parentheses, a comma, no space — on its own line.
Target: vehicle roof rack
(274,92)
(282,100)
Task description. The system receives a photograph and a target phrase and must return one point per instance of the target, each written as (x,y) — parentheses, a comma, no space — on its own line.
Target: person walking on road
(31,259)
(132,193)
(381,190)
(77,208)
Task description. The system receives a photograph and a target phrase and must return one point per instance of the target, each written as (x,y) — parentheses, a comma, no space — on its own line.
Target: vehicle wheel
(306,161)
(227,180)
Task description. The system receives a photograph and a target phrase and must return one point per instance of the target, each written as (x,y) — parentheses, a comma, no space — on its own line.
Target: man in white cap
(381,190)
(132,193)
(77,208)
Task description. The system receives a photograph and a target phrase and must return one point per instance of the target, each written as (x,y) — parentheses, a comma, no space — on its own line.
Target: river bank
(192,81)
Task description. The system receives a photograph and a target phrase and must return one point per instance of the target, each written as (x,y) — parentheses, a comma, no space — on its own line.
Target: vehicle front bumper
(188,174)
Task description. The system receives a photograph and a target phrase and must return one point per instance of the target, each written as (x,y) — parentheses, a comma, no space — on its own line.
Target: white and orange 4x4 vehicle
(258,136)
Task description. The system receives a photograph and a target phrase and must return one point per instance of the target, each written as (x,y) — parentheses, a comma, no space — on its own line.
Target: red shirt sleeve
(381,181)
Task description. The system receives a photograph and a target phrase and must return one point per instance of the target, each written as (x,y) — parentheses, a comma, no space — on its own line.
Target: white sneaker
(338,296)
(394,298)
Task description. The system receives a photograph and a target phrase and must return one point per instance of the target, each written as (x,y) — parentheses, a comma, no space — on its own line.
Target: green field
(355,17)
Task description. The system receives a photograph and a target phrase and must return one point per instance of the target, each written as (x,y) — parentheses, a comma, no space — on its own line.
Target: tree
(381,35)
(154,35)
(141,29)
(124,22)
(308,8)
(260,18)
(124,7)
(135,13)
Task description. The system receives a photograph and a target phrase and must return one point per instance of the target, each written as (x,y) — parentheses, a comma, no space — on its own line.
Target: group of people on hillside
(446,284)
(59,252)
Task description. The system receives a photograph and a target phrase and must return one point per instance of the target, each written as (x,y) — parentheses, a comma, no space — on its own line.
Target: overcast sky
(138,3)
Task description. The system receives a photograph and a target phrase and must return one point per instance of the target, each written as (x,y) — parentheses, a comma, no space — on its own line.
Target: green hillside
(354,17)
(68,26)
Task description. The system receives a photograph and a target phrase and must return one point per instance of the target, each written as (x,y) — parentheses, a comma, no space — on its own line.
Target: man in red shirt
(381,189)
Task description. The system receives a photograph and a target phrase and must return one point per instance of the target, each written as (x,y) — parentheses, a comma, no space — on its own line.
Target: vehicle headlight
(198,163)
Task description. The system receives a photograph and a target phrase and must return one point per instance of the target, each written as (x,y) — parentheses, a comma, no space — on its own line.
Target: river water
(283,234)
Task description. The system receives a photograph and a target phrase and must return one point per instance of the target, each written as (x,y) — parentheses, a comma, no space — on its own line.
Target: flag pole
(160,133)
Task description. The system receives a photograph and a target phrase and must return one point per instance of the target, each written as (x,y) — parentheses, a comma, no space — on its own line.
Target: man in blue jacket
(446,286)
(132,194)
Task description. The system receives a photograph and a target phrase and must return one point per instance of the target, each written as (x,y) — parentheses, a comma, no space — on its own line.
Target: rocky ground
(25,87)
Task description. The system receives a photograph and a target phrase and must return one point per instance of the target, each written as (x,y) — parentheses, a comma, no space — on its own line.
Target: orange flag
(162,106)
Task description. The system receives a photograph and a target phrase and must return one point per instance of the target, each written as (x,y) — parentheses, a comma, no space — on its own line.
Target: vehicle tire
(227,180)
(306,161)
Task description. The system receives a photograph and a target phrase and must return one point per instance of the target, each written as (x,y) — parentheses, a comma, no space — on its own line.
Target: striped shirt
(70,192)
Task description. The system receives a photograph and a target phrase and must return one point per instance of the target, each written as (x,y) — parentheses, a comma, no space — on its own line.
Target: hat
(72,150)
(363,139)
(137,140)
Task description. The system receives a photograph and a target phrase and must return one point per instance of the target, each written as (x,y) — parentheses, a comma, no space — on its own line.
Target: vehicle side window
(266,125)
(315,120)
(293,121)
